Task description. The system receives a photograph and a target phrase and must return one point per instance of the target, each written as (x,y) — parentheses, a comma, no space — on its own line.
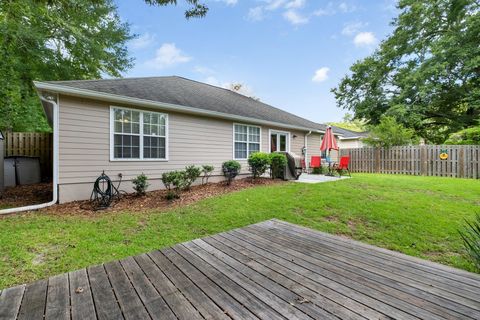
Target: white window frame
(140,158)
(248,139)
(287,133)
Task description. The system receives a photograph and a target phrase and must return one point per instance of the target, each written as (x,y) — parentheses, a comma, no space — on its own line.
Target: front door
(279,141)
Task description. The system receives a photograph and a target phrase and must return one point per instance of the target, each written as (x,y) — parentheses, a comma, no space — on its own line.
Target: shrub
(278,162)
(471,240)
(174,181)
(470,136)
(389,133)
(140,184)
(317,170)
(192,173)
(258,162)
(207,172)
(230,170)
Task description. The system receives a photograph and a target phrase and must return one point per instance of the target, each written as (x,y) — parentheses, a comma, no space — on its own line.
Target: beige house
(154,125)
(351,140)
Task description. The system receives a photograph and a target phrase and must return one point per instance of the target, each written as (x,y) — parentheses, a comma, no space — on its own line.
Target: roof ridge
(244,96)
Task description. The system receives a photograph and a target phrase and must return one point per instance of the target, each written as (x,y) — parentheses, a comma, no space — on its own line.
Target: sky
(287,53)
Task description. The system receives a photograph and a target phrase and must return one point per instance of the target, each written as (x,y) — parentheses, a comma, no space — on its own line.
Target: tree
(197,10)
(350,123)
(55,40)
(426,74)
(389,133)
(242,89)
(470,136)
(59,40)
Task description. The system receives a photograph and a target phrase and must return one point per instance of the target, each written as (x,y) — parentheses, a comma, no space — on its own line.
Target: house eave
(350,138)
(85,93)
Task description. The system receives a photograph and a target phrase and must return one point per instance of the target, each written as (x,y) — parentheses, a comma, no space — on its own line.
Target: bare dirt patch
(26,195)
(156,200)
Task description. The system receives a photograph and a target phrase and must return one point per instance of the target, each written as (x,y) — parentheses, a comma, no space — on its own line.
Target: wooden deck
(270,270)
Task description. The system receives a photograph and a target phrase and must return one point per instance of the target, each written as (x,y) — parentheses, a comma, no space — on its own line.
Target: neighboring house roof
(178,91)
(348,134)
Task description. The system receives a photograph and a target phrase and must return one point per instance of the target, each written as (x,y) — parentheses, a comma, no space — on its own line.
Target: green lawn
(419,216)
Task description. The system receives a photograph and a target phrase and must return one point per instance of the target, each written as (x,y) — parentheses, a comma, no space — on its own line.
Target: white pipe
(55,167)
(306,149)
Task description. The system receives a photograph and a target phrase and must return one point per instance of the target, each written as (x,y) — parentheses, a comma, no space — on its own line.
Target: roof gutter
(85,93)
(351,138)
(55,165)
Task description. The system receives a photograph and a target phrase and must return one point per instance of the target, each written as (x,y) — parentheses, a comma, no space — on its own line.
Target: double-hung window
(138,135)
(246,140)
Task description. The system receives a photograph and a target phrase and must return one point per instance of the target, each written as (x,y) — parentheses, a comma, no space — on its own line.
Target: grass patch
(419,216)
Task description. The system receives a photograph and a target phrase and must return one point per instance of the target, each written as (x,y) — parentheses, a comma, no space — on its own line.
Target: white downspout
(306,149)
(55,166)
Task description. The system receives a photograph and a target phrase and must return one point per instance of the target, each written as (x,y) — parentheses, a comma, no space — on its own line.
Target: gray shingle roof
(348,133)
(185,92)
(190,93)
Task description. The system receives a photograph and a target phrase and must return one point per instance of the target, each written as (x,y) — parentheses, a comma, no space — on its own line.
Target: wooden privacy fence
(31,144)
(462,162)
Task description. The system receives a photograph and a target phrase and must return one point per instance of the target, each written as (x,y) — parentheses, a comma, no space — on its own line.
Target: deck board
(82,307)
(269,270)
(58,298)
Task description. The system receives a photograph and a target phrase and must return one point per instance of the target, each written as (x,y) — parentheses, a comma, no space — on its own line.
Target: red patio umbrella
(329,142)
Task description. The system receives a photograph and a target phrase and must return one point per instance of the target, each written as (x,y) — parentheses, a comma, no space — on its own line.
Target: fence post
(423,161)
(2,151)
(461,163)
(377,160)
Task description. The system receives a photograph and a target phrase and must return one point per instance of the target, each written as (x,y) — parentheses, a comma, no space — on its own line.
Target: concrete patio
(318,178)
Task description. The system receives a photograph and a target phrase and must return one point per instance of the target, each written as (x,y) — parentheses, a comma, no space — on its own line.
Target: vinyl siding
(350,144)
(84,141)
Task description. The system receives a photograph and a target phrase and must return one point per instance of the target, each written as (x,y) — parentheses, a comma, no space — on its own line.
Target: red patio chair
(315,162)
(343,165)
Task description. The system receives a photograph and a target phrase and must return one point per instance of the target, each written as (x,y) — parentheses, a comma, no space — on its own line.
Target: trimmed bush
(192,173)
(206,173)
(175,182)
(230,170)
(258,162)
(140,184)
(278,162)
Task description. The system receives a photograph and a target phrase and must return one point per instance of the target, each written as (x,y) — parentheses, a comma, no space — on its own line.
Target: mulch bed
(156,200)
(26,195)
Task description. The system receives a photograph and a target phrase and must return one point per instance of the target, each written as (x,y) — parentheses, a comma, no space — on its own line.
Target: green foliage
(278,162)
(179,180)
(317,170)
(192,173)
(258,162)
(389,133)
(470,136)
(471,240)
(61,40)
(175,182)
(231,169)
(140,184)
(207,171)
(350,123)
(425,74)
(197,9)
